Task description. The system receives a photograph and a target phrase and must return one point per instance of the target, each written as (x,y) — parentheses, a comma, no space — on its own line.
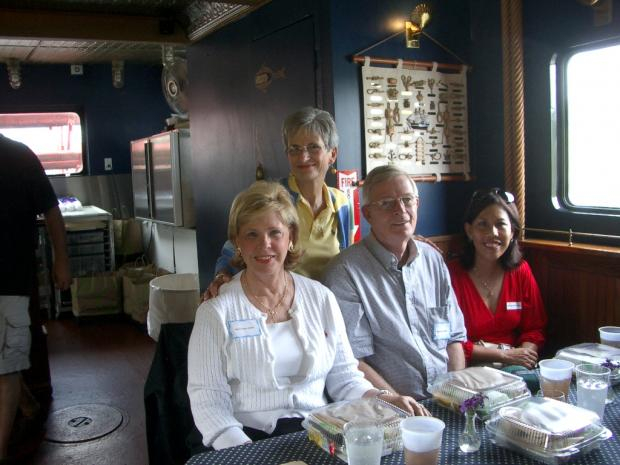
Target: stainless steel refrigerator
(161,170)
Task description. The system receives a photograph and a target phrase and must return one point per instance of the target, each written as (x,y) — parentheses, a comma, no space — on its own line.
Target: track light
(15,75)
(118,73)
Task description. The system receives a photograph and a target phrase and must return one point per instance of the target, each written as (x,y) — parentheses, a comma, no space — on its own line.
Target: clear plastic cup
(421,440)
(555,394)
(556,375)
(592,384)
(363,442)
(610,335)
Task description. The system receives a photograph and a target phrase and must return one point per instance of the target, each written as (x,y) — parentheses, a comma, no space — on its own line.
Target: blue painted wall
(356,28)
(112,117)
(549,27)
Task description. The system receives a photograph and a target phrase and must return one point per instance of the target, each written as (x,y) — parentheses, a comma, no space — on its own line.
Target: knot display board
(416,119)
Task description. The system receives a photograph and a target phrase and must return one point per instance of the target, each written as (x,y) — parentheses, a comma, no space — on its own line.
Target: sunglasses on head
(481,193)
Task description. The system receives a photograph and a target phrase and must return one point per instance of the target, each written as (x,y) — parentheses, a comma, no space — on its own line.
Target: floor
(99,362)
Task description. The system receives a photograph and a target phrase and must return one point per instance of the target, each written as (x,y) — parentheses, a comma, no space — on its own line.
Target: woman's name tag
(513,305)
(243,328)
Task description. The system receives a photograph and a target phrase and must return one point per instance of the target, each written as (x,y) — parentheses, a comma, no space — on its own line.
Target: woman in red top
(495,287)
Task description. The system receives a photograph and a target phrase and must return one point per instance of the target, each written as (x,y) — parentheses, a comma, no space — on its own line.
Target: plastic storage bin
(82,237)
(325,425)
(498,387)
(548,430)
(173,298)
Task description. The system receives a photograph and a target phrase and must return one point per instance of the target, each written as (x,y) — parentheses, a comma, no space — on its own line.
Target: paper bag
(97,294)
(127,237)
(136,296)
(135,280)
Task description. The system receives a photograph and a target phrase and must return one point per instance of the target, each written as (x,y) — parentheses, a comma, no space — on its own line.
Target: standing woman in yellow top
(326,221)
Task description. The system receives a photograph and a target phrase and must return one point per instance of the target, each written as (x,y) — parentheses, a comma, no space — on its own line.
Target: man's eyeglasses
(389,204)
(296,150)
(506,196)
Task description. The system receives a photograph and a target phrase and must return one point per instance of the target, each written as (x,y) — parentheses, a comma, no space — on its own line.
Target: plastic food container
(592,352)
(498,387)
(547,430)
(325,425)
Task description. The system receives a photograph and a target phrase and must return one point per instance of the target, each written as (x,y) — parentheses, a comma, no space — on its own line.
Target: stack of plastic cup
(610,335)
(556,375)
(422,440)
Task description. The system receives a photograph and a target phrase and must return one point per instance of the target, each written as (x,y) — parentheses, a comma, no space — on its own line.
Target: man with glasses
(402,318)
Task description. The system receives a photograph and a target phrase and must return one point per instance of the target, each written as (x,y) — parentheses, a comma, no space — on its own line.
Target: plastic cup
(556,375)
(555,394)
(422,440)
(610,335)
(363,442)
(592,383)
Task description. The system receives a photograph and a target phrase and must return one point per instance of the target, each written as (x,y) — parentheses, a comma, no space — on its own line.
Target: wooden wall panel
(581,289)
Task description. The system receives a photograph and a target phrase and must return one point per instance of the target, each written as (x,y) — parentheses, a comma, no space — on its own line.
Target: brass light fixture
(420,16)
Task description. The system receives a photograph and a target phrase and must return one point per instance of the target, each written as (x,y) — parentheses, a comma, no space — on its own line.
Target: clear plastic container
(547,430)
(325,425)
(592,352)
(498,387)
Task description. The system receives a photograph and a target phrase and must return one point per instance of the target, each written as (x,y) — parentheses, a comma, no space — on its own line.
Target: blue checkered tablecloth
(296,446)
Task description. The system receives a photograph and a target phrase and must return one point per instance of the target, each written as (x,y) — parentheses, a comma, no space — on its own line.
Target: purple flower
(608,363)
(471,404)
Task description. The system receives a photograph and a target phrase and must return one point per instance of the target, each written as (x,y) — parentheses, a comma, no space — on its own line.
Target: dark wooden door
(283,71)
(244,80)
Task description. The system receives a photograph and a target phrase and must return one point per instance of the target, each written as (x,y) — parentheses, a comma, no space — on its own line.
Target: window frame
(58,109)
(559,129)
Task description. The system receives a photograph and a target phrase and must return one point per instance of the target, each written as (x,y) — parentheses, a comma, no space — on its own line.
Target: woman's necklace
(485,284)
(273,311)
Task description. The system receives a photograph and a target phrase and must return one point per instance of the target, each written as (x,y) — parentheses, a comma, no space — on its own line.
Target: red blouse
(520,315)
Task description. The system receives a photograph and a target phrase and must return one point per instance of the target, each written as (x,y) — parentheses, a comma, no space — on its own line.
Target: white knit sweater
(230,377)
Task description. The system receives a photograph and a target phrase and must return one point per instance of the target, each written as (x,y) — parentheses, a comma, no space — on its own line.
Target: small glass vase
(469,440)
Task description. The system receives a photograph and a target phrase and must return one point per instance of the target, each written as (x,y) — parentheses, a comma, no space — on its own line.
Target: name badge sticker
(243,328)
(513,305)
(441,331)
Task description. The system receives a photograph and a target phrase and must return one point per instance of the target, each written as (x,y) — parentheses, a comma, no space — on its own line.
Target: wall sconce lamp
(420,16)
(118,73)
(15,75)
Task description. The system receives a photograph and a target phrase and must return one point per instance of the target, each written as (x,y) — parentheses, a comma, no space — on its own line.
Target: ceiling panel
(94,31)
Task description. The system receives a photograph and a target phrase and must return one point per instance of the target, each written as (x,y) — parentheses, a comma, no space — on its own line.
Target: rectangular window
(588,128)
(55,137)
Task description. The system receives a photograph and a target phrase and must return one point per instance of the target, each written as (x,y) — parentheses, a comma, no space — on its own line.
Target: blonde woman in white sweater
(264,352)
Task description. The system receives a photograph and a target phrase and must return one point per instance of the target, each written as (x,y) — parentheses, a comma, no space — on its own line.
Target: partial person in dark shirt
(25,192)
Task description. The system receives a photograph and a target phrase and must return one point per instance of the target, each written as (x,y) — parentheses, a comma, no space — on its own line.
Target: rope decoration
(514,126)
